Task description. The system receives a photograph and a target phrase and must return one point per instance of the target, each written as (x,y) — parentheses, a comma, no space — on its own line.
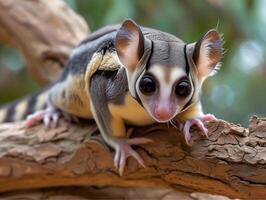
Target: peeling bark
(230,162)
(43,32)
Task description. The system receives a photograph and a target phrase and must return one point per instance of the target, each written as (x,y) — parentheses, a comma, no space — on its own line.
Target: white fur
(166,86)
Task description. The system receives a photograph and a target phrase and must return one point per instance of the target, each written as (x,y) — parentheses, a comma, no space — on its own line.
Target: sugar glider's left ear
(207,53)
(129,44)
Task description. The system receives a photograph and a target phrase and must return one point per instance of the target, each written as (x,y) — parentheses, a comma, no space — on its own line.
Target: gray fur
(113,87)
(117,87)
(99,33)
(157,35)
(99,98)
(168,54)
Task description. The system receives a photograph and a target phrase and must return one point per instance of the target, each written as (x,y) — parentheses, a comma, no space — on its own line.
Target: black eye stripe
(186,59)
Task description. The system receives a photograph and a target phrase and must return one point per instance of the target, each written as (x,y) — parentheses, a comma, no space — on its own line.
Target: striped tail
(20,109)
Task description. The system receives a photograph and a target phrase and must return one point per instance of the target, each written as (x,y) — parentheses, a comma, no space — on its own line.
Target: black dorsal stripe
(149,59)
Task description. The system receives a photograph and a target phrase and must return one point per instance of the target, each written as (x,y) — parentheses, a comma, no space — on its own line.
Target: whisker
(173,124)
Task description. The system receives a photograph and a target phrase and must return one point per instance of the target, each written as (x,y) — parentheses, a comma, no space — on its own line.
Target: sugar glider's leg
(115,135)
(111,126)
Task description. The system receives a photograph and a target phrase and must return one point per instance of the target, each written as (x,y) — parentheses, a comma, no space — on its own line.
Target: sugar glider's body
(126,74)
(69,93)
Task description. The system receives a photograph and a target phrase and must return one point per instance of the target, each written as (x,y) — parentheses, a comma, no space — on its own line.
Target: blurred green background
(235,93)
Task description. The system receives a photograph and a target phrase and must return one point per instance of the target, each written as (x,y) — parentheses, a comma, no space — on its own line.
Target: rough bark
(107,193)
(230,162)
(43,32)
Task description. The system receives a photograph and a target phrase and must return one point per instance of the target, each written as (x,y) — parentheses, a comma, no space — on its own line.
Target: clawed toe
(199,122)
(51,119)
(124,150)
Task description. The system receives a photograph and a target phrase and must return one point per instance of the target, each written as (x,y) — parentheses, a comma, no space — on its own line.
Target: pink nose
(162,113)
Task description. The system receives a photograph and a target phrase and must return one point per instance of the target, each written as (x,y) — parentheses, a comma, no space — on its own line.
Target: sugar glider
(127,74)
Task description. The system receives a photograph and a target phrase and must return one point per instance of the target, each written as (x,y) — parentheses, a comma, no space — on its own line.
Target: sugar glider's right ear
(129,44)
(208,53)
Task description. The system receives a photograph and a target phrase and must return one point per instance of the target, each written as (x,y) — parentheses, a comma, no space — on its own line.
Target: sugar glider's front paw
(199,122)
(49,116)
(124,150)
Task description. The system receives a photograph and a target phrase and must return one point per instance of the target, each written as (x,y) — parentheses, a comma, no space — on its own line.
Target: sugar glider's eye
(183,88)
(147,85)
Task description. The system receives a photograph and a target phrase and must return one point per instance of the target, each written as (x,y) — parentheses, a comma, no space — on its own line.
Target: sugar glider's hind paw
(50,117)
(199,122)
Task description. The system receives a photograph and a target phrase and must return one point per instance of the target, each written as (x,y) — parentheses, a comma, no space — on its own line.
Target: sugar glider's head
(163,72)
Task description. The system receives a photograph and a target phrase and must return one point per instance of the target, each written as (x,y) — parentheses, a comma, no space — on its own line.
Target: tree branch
(43,32)
(231,162)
